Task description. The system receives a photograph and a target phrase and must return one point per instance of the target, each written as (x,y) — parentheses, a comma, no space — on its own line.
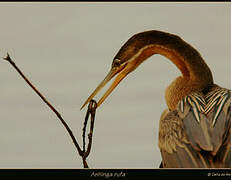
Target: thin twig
(85,126)
(91,110)
(93,105)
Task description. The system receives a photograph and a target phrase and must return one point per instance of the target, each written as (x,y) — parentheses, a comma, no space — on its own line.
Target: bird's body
(195,129)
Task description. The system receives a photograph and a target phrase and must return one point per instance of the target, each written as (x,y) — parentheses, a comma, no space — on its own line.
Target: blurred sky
(66,49)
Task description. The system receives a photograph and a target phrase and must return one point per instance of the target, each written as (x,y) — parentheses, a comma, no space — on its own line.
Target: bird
(194,129)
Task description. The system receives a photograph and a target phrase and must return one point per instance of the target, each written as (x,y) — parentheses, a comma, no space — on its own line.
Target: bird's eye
(116,62)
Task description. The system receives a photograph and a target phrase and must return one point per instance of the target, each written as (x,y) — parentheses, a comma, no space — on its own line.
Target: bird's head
(128,58)
(141,46)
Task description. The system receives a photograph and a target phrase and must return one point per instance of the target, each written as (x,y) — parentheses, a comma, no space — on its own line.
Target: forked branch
(91,111)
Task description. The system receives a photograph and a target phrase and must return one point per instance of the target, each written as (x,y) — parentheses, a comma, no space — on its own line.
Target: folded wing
(197,134)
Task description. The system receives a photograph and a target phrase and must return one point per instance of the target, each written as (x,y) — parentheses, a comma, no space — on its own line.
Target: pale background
(66,49)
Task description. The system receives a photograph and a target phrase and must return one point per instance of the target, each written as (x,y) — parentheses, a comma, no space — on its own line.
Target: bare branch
(93,106)
(91,110)
(85,126)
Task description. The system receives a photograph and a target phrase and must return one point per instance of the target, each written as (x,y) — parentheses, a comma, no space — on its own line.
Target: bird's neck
(196,75)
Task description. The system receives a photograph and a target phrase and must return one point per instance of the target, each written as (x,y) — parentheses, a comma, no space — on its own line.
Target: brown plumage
(195,129)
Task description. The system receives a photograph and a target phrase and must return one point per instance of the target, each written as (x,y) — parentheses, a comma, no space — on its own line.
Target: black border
(115,173)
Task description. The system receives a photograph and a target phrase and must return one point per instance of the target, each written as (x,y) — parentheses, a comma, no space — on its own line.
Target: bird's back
(197,134)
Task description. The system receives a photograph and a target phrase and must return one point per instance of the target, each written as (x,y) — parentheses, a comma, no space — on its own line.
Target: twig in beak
(91,111)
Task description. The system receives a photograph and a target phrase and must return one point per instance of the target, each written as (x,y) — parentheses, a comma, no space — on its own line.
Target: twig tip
(7,58)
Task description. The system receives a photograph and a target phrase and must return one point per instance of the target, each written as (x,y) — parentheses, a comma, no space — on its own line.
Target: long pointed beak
(121,71)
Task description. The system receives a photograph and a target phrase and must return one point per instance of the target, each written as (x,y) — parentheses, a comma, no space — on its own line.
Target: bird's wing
(175,147)
(197,133)
(224,153)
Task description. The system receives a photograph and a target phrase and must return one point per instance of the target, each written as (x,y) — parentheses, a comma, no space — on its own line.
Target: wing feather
(197,134)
